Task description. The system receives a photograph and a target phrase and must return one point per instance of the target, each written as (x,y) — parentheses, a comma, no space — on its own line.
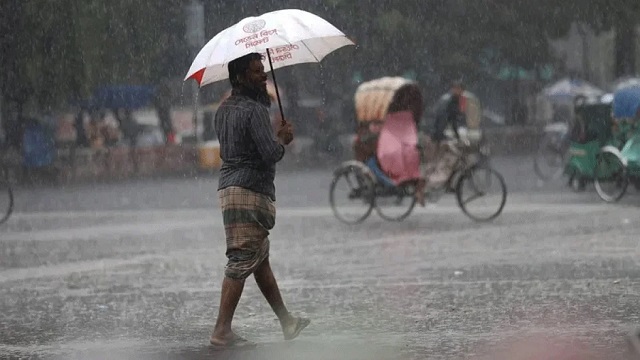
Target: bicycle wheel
(481,193)
(551,156)
(6,201)
(351,194)
(395,204)
(611,179)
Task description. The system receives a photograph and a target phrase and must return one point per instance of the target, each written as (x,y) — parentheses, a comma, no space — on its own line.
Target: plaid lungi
(247,216)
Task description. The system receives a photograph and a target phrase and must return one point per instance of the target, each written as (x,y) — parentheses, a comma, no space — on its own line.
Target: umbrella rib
(310,52)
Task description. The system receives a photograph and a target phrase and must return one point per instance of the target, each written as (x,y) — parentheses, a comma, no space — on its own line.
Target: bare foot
(292,328)
(229,340)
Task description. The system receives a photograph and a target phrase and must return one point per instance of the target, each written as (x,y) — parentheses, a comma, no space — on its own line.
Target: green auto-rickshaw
(591,130)
(618,164)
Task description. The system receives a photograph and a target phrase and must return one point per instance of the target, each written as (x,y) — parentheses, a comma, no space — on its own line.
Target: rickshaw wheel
(476,184)
(402,200)
(610,170)
(352,183)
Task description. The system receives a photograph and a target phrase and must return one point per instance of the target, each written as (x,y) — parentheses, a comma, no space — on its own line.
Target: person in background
(451,114)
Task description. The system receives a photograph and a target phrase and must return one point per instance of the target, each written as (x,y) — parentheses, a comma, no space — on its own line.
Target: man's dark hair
(238,67)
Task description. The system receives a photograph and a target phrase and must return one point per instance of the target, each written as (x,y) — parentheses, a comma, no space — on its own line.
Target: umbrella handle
(275,84)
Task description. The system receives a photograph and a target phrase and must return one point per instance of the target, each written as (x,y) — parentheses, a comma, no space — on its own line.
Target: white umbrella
(291,37)
(567,89)
(625,82)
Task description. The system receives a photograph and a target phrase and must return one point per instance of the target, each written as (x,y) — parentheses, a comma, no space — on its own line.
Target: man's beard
(257,93)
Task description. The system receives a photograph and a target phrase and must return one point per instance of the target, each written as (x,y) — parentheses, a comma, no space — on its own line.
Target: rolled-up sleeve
(262,133)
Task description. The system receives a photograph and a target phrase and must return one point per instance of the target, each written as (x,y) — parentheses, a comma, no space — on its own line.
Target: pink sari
(397,150)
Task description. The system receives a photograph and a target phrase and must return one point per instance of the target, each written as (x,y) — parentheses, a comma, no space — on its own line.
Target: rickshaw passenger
(365,150)
(579,130)
(398,152)
(366,139)
(412,101)
(372,163)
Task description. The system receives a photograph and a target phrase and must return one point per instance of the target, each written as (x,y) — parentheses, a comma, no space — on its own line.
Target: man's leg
(268,285)
(438,171)
(431,161)
(229,298)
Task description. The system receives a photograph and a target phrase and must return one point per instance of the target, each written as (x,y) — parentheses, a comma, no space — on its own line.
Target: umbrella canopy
(291,37)
(626,102)
(567,89)
(625,82)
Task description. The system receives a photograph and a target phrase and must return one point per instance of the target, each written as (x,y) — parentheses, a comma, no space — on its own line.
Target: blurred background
(98,74)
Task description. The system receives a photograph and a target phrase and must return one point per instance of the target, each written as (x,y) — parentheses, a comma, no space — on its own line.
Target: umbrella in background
(284,37)
(626,102)
(567,89)
(625,82)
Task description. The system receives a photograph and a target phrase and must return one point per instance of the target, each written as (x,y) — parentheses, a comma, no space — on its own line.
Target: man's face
(255,77)
(457,90)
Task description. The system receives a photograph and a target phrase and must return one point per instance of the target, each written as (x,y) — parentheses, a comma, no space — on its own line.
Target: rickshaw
(362,184)
(569,147)
(618,164)
(557,103)
(591,130)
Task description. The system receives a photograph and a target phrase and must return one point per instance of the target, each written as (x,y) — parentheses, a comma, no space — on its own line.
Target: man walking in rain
(249,150)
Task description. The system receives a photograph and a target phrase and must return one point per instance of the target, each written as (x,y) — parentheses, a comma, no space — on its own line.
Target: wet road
(132,271)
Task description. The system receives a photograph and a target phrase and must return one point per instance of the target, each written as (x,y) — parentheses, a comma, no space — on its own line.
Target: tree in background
(621,16)
(55,51)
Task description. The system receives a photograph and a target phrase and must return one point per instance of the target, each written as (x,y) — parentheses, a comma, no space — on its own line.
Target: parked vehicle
(618,164)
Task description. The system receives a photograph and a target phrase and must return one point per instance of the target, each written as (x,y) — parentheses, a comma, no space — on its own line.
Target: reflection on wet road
(132,271)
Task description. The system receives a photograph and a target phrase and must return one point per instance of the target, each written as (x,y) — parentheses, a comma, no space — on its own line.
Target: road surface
(132,271)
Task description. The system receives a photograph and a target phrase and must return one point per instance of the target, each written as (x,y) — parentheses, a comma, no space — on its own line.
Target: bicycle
(367,191)
(551,156)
